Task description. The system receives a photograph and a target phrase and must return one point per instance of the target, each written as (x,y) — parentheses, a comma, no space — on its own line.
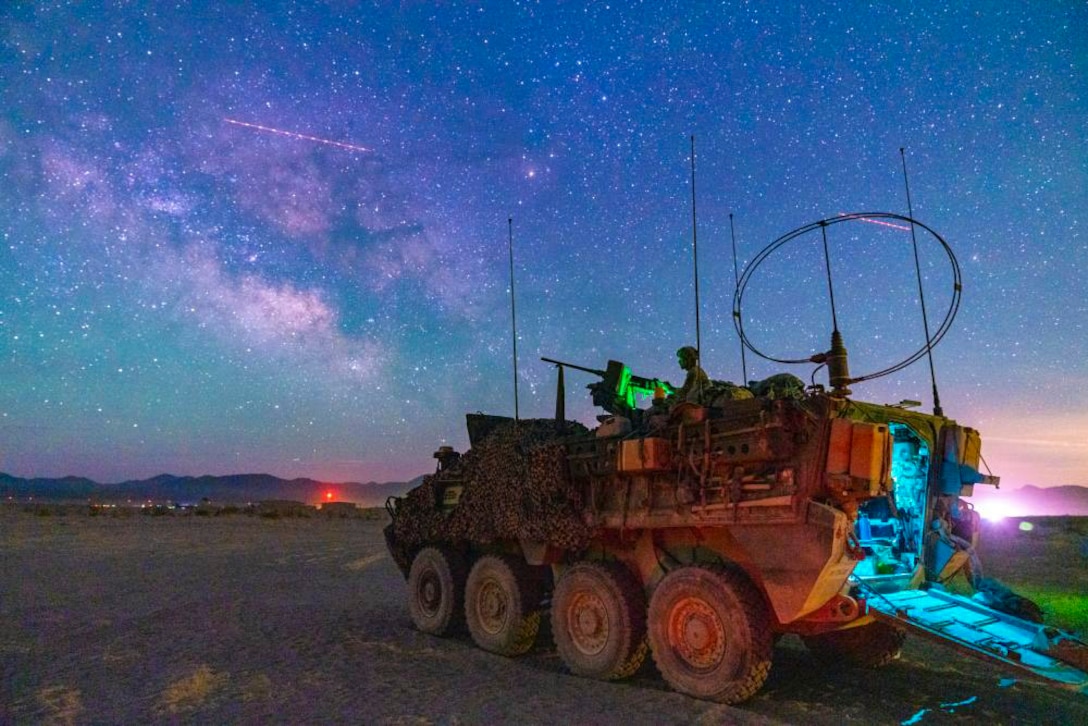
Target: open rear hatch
(987,633)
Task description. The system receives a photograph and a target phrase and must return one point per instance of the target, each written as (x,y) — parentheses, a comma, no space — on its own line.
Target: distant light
(328,496)
(994,511)
(1026,526)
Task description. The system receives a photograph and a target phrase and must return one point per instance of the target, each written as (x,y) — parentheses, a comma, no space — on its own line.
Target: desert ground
(240,619)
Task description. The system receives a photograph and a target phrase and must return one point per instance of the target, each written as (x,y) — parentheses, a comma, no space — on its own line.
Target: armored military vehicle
(700,528)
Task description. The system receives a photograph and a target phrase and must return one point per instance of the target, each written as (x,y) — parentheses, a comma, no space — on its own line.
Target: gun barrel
(575,367)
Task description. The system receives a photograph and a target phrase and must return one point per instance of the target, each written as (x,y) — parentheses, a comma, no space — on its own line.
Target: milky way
(275,240)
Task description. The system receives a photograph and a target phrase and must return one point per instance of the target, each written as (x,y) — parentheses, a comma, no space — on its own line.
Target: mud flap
(977,630)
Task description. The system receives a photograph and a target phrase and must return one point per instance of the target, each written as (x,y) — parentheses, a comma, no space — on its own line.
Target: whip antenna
(830,287)
(740,323)
(513,311)
(937,411)
(695,258)
(838,368)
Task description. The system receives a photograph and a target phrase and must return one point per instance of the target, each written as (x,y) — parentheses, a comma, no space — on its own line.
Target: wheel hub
(430,593)
(492,607)
(697,633)
(588,621)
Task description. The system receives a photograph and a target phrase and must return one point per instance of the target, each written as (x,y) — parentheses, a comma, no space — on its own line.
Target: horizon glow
(248,239)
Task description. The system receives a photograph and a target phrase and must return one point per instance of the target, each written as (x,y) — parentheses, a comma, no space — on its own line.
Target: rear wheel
(866,646)
(436,584)
(710,634)
(502,604)
(599,620)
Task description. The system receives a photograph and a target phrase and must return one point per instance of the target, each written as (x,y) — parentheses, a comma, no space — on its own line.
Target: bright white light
(995,511)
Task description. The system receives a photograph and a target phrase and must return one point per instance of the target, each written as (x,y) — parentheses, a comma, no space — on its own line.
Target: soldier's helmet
(687,353)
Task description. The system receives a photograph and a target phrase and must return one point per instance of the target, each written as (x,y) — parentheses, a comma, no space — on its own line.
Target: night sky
(185,290)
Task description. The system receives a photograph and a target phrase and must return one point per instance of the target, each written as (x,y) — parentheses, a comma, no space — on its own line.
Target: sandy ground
(247,620)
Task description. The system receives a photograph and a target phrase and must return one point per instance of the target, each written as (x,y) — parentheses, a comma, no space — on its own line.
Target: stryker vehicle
(701,530)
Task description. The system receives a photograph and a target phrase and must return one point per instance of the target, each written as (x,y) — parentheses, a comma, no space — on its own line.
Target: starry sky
(194,280)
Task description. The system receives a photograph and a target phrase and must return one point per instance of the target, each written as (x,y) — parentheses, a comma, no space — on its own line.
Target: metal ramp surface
(982,631)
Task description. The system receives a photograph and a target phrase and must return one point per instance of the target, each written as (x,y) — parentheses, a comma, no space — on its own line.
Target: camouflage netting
(782,385)
(716,393)
(516,485)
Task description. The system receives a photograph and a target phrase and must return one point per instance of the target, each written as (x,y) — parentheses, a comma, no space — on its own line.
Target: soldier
(941,531)
(696,379)
(447,457)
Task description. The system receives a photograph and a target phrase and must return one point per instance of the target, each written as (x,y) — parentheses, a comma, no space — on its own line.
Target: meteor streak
(293,135)
(878,221)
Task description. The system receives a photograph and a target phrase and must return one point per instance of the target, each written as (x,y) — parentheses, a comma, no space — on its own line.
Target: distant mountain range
(234,489)
(1026,501)
(1030,501)
(1062,500)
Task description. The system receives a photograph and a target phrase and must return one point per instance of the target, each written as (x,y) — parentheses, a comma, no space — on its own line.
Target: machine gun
(615,392)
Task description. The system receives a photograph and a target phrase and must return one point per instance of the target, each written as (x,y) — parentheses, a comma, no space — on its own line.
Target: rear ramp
(981,631)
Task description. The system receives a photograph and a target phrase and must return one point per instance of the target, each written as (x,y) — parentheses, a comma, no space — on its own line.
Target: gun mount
(618,390)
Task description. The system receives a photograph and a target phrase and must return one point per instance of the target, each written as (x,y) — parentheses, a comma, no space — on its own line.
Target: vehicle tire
(502,604)
(436,587)
(866,646)
(599,620)
(710,633)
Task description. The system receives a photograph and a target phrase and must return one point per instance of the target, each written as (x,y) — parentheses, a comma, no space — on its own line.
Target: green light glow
(631,387)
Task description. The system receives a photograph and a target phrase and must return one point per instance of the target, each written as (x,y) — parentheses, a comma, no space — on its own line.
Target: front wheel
(710,634)
(436,584)
(599,620)
(502,604)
